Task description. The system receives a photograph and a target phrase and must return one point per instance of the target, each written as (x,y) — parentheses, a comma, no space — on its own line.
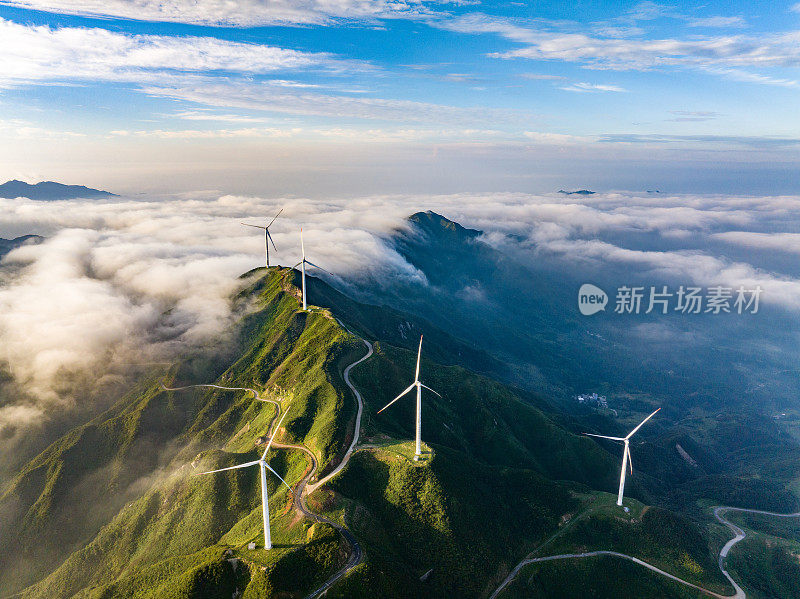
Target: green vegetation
(114,509)
(601,577)
(766,567)
(142,446)
(481,418)
(463,521)
(660,537)
(767,562)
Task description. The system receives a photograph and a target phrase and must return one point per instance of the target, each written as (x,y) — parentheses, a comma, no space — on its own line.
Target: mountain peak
(580,192)
(49,190)
(436,224)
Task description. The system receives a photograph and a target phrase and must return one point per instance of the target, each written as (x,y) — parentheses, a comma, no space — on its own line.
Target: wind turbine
(263,466)
(267,236)
(626,455)
(419,387)
(302,265)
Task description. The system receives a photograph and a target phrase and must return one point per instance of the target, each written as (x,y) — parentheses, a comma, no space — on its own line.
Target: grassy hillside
(657,536)
(462,522)
(477,416)
(767,568)
(113,508)
(601,577)
(767,562)
(115,458)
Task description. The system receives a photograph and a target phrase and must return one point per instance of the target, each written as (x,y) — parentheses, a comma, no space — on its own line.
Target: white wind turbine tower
(263,466)
(267,236)
(419,387)
(302,265)
(626,455)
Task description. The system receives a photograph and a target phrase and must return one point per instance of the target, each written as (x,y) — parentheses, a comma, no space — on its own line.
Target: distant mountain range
(49,191)
(6,245)
(580,192)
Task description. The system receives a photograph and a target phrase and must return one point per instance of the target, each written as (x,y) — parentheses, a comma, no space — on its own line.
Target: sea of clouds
(141,279)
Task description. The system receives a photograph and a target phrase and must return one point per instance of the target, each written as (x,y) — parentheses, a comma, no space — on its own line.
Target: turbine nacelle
(418,386)
(302,264)
(627,461)
(263,467)
(267,237)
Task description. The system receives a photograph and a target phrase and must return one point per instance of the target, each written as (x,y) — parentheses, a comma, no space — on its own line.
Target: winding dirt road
(302,489)
(739,535)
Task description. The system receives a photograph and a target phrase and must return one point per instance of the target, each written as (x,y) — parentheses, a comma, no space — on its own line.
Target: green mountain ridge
(113,509)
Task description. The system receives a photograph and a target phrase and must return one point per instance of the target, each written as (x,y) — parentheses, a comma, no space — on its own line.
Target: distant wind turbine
(267,236)
(302,265)
(626,455)
(263,466)
(419,387)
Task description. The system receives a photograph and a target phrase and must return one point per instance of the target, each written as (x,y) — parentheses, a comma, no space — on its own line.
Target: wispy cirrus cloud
(624,53)
(541,77)
(582,87)
(730,22)
(210,72)
(244,13)
(46,54)
(750,77)
(688,116)
(250,95)
(361,135)
(742,140)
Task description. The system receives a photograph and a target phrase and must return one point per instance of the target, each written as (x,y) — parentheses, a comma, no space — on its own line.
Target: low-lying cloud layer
(137,280)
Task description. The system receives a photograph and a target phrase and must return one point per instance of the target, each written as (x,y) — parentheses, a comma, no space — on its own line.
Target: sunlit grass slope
(115,509)
(71,492)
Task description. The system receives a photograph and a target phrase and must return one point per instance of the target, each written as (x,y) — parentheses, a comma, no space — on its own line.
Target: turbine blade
(273,220)
(279,476)
(272,438)
(410,387)
(256,226)
(310,263)
(296,265)
(230,468)
(633,432)
(273,242)
(603,437)
(429,389)
(302,246)
(419,355)
(630,460)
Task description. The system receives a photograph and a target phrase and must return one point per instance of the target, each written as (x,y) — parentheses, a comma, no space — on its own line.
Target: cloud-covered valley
(137,280)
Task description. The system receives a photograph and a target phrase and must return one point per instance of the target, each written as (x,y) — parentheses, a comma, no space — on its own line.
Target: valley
(363,518)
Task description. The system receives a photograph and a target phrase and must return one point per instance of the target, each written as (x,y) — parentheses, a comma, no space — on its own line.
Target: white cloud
(404,134)
(731,22)
(592,87)
(150,277)
(795,7)
(256,96)
(244,13)
(749,77)
(622,53)
(40,53)
(541,76)
(781,242)
(557,138)
(187,69)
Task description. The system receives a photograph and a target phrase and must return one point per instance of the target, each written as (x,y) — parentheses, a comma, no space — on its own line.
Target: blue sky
(454,96)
